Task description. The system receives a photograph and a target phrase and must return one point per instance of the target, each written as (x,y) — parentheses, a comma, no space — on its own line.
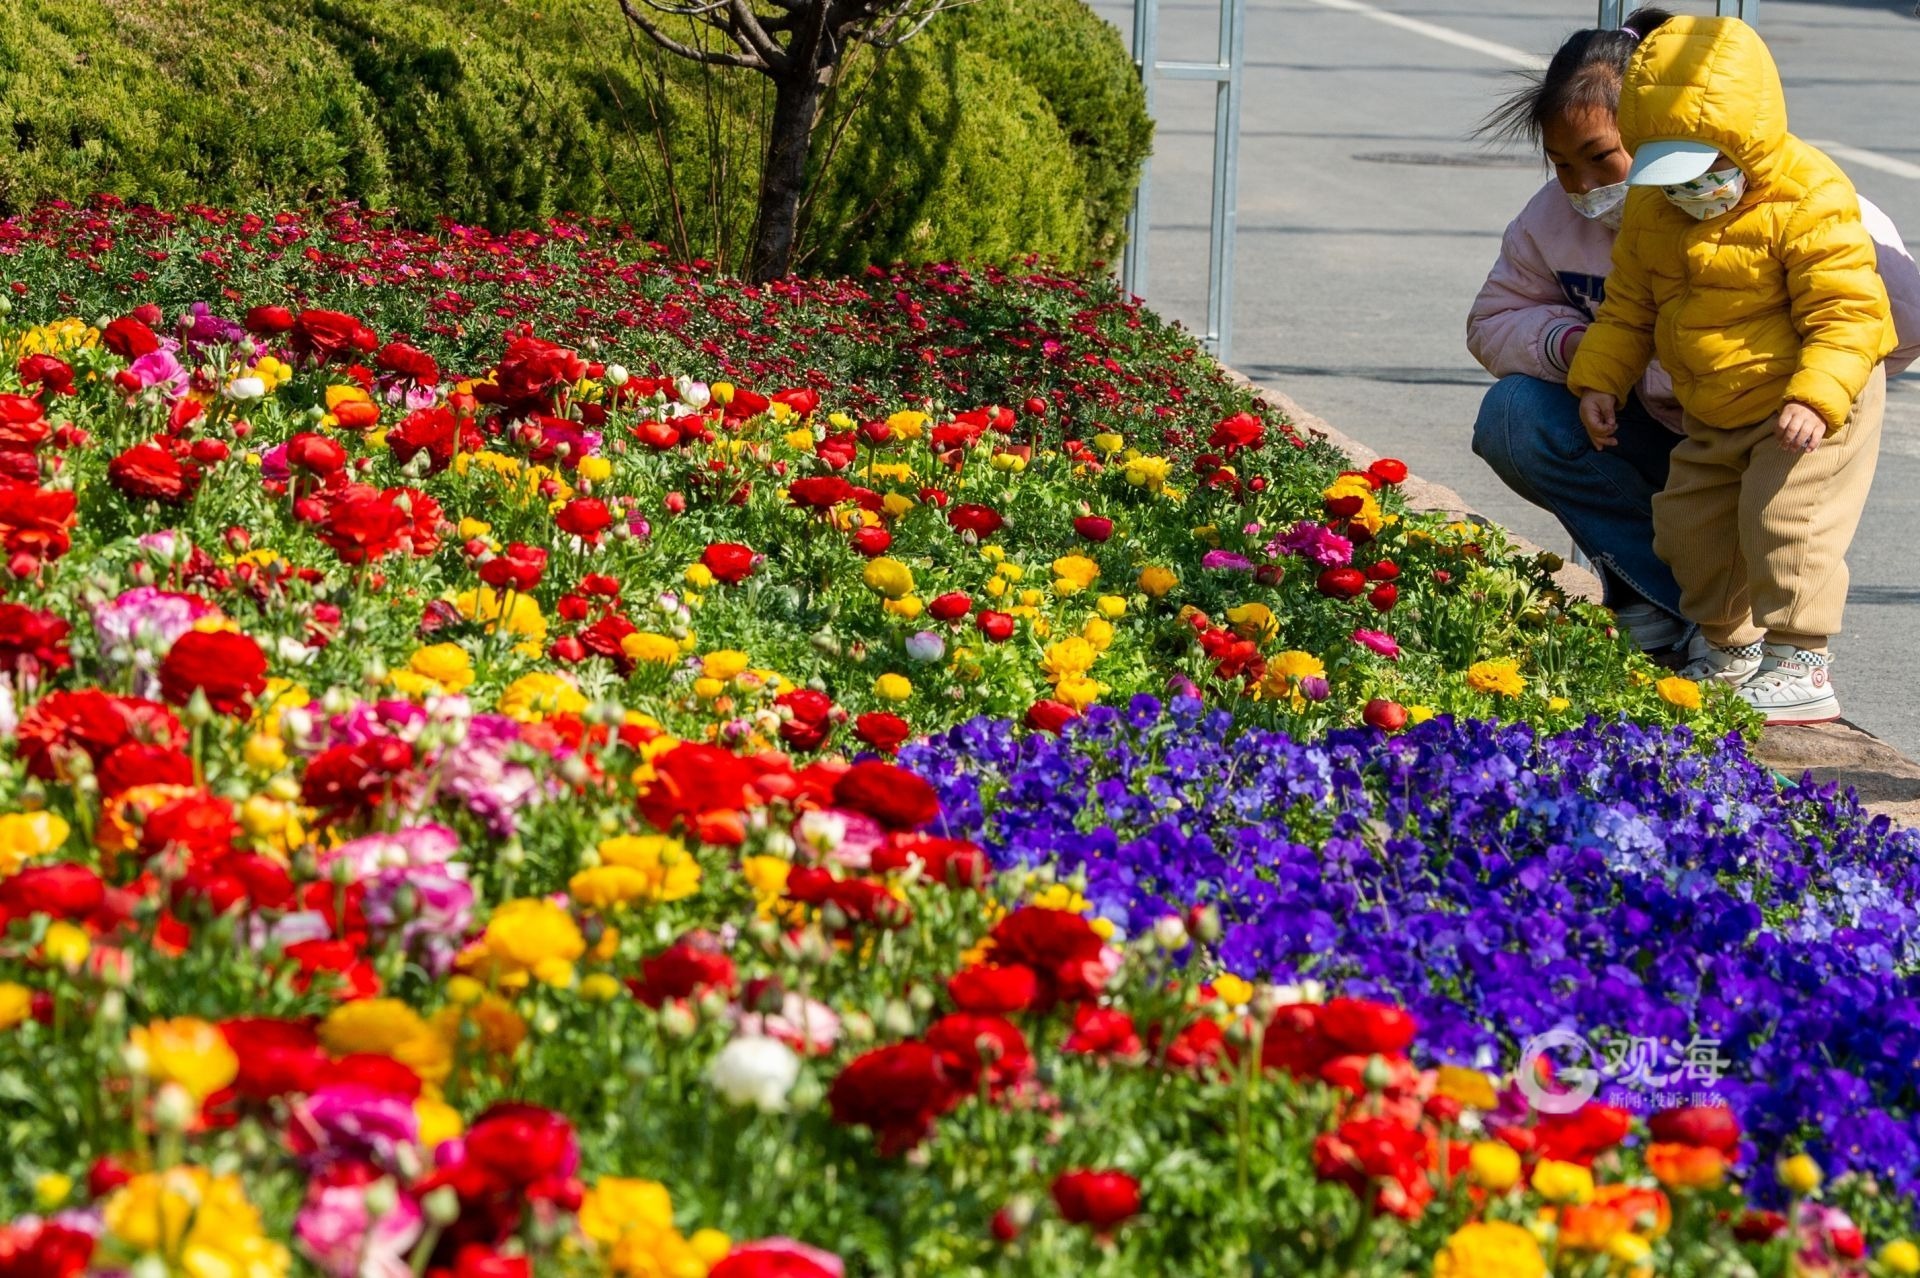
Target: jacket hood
(1706,80)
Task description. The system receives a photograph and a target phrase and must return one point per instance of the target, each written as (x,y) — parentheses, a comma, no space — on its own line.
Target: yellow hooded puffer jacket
(1778,299)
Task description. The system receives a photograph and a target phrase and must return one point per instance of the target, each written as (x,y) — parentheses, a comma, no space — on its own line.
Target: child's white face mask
(1604,204)
(1710,194)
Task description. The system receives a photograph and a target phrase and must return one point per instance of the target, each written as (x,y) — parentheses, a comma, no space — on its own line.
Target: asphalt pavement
(1368,218)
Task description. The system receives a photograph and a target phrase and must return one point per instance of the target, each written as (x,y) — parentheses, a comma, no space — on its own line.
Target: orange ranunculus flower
(1647,1211)
(1591,1226)
(1687,1166)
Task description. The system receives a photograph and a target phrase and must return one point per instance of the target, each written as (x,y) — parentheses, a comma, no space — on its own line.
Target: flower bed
(428,841)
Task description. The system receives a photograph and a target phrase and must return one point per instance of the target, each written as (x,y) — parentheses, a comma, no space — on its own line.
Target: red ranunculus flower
(268,320)
(128,338)
(149,472)
(1363,1028)
(871,540)
(890,795)
(362,524)
(692,780)
(812,718)
(530,376)
(996,626)
(228,667)
(518,567)
(819,492)
(315,454)
(896,1091)
(1701,1126)
(729,561)
(975,1045)
(1093,527)
(63,891)
(435,432)
(1052,716)
(53,375)
(409,362)
(981,521)
(1341,583)
(1583,1135)
(1103,1199)
(585,518)
(689,966)
(1102,1031)
(330,335)
(31,1248)
(277,1057)
(1388,716)
(991,988)
(521,1145)
(884,732)
(1242,430)
(778,1258)
(951,606)
(34,521)
(90,722)
(33,642)
(954,862)
(345,780)
(1388,470)
(1379,1156)
(1065,953)
(138,763)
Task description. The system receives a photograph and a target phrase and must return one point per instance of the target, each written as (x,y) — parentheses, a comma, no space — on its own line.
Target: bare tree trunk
(783,181)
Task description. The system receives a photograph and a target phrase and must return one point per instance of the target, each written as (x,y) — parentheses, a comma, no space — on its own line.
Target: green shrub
(1010,126)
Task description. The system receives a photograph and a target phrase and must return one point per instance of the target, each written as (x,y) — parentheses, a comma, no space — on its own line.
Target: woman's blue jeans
(1529,431)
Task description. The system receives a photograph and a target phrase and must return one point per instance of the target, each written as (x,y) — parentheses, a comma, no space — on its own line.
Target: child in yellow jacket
(1743,264)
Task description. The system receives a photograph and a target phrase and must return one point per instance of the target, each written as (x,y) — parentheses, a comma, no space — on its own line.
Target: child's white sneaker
(1794,686)
(1732,666)
(1651,627)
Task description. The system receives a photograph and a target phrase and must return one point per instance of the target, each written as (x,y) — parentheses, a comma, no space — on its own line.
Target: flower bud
(442,1206)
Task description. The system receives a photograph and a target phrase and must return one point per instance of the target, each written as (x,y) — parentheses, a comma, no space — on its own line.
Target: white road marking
(1869,159)
(1446,35)
(1533,62)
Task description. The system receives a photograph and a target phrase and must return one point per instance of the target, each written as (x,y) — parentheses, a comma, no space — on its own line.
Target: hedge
(1009,127)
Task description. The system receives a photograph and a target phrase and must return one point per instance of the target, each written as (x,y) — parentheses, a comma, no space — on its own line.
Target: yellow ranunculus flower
(1069,657)
(525,933)
(1108,443)
(264,753)
(606,887)
(203,1223)
(447,664)
(188,1051)
(66,945)
(1099,632)
(893,687)
(1676,691)
(1490,1249)
(1156,581)
(668,870)
(649,648)
(386,1027)
(534,697)
(617,1204)
(1900,1257)
(1562,1182)
(595,469)
(1493,1166)
(724,663)
(699,576)
(523,618)
(495,1027)
(25,835)
(1417,715)
(1112,607)
(907,423)
(1501,677)
(1148,472)
(1470,1087)
(1078,691)
(439,1122)
(1232,990)
(16,1004)
(1798,1174)
(1074,573)
(599,987)
(888,576)
(910,607)
(1254,621)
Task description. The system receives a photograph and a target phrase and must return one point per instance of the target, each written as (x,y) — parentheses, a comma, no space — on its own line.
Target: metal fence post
(1133,265)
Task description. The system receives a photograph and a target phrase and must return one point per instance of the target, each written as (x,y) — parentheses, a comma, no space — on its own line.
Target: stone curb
(1886,780)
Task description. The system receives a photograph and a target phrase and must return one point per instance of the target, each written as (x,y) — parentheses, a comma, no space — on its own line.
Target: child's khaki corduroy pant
(1757,535)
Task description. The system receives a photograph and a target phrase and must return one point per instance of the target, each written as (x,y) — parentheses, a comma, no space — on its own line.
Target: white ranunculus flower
(755,1071)
(246,389)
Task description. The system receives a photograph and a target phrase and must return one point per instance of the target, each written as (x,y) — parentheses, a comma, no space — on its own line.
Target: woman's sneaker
(1732,666)
(1794,686)
(1652,628)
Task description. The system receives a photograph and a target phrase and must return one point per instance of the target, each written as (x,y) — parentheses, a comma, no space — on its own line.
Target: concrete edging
(1886,780)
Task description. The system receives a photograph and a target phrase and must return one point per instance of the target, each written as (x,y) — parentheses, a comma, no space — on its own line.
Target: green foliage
(1009,127)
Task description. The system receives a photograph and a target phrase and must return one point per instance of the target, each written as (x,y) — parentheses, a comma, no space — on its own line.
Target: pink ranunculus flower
(808,1026)
(353,1123)
(1378,641)
(339,1235)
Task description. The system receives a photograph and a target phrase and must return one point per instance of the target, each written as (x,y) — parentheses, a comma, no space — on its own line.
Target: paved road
(1368,219)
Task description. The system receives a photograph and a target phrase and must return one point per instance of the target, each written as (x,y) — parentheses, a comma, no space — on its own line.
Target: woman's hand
(1597,415)
(1800,429)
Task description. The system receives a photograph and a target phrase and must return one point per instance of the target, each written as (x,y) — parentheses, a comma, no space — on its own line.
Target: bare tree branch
(711,57)
(747,31)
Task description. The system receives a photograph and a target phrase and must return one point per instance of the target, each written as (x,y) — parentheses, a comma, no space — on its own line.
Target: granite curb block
(1887,781)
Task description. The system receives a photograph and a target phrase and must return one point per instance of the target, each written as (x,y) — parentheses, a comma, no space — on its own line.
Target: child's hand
(1800,429)
(1597,415)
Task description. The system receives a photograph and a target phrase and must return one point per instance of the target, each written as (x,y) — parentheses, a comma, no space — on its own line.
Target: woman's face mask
(1604,204)
(1710,194)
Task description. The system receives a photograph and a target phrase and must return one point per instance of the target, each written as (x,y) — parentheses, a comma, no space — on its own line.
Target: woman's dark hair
(1584,75)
